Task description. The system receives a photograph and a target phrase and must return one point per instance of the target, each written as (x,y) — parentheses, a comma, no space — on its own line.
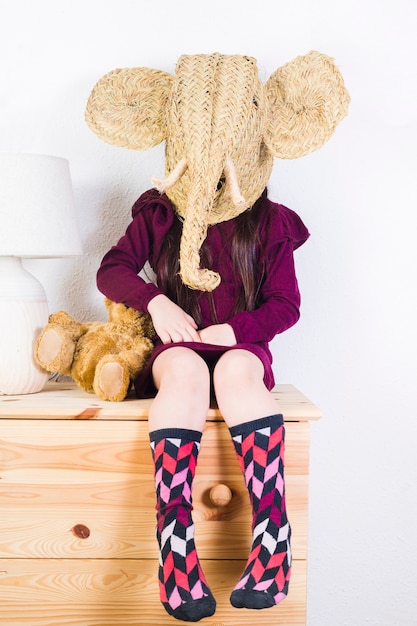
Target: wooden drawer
(85,489)
(77,512)
(117,592)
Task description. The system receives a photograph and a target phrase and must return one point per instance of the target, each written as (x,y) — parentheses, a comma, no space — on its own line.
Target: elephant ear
(306,99)
(127,107)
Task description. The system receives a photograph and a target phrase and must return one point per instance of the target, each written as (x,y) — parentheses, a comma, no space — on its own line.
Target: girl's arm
(118,279)
(280,307)
(279,310)
(117,276)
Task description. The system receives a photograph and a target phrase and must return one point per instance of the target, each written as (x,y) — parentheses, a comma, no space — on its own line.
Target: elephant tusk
(230,171)
(171,179)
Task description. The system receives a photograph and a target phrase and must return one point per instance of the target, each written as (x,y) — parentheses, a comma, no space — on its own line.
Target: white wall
(353,350)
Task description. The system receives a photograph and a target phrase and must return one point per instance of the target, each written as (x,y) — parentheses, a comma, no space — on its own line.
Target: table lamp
(37,220)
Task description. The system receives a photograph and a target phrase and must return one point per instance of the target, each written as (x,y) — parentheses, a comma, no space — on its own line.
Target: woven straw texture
(217,120)
(307,99)
(222,129)
(126,107)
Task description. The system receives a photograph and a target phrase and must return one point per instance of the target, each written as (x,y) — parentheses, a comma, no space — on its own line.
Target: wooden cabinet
(77,512)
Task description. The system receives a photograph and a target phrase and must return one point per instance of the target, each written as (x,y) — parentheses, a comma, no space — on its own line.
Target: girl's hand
(171,323)
(218,334)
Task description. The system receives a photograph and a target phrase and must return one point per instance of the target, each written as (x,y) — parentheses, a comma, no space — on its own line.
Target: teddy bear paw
(54,351)
(111,379)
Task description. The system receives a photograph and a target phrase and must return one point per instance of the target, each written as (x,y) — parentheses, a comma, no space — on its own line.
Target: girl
(213,345)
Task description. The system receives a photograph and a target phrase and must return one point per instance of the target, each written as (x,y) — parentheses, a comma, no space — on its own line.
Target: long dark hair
(245,256)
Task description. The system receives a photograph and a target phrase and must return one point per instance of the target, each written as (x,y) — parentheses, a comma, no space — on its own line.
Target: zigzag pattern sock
(260,448)
(183,588)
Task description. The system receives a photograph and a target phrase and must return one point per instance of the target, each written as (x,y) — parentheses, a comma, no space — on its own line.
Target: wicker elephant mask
(222,129)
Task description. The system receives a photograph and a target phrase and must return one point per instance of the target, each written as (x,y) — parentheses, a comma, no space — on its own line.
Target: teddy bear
(101,357)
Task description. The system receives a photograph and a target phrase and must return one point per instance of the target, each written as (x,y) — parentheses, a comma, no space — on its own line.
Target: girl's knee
(183,383)
(181,369)
(239,388)
(238,369)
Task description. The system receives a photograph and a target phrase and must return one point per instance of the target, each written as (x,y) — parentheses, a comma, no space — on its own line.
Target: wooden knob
(220,495)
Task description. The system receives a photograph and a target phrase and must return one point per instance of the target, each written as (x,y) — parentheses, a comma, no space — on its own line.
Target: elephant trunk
(197,218)
(209,120)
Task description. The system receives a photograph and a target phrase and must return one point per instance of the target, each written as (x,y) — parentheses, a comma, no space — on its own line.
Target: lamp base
(23,314)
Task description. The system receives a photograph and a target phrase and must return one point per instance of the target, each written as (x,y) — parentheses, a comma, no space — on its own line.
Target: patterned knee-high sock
(183,588)
(260,448)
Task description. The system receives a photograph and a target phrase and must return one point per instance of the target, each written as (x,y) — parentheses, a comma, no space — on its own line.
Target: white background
(353,351)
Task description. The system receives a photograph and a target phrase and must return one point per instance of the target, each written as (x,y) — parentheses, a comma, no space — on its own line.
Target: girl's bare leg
(240,390)
(183,382)
(176,421)
(257,431)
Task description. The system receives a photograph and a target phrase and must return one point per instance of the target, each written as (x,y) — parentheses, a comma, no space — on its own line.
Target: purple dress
(281,232)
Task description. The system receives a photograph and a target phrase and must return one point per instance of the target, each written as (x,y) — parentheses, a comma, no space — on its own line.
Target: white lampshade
(37,212)
(37,219)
